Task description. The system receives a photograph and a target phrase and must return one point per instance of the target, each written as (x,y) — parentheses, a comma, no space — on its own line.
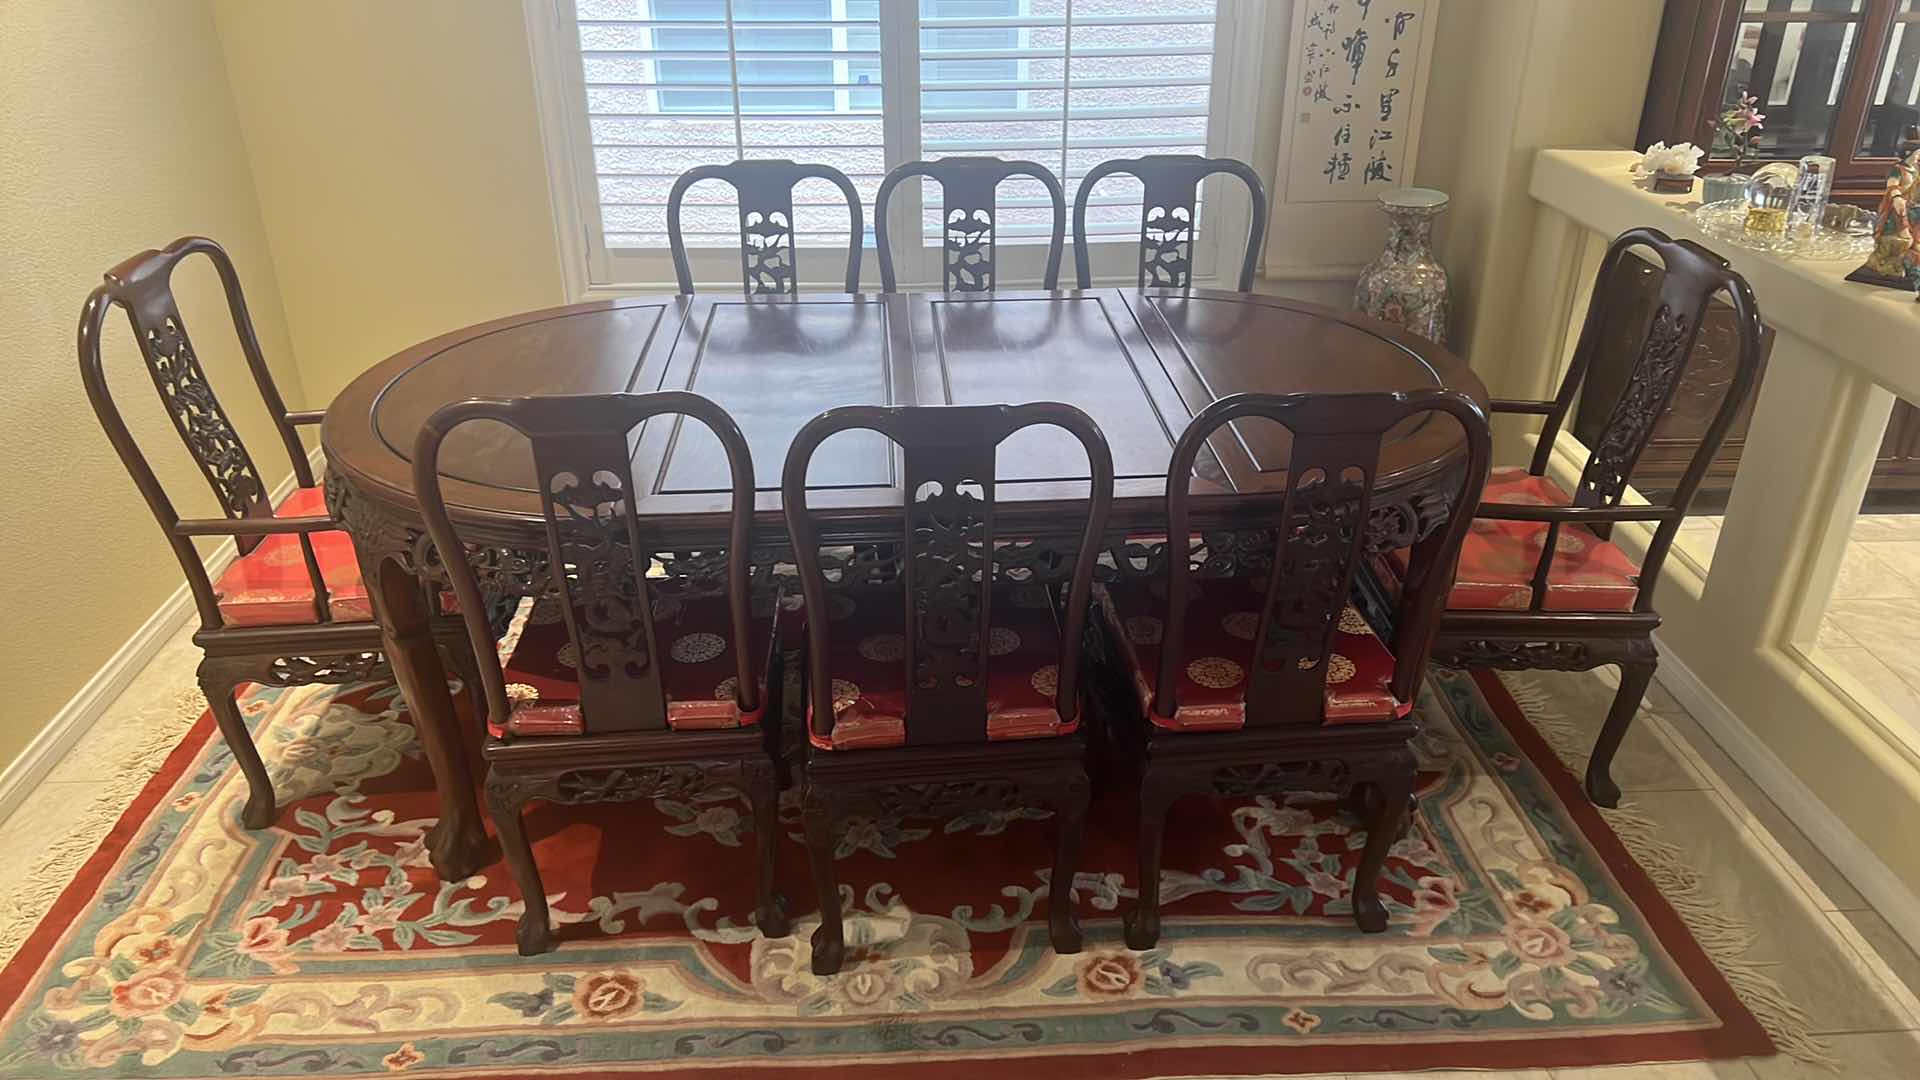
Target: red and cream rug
(1524,933)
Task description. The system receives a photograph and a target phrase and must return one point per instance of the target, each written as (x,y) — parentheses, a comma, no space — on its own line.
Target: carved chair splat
(768,232)
(1310,698)
(262,621)
(1168,214)
(636,730)
(928,740)
(969,219)
(1568,599)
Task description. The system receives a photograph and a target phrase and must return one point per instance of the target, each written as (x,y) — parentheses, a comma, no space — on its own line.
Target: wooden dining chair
(943,692)
(969,188)
(1277,684)
(669,687)
(768,231)
(1167,216)
(1541,587)
(291,608)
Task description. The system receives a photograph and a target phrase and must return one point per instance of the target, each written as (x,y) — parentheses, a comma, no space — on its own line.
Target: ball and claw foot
(772,918)
(1370,913)
(828,953)
(1142,929)
(533,936)
(1601,790)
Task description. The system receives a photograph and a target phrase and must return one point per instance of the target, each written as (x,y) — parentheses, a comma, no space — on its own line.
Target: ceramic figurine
(1406,284)
(1895,262)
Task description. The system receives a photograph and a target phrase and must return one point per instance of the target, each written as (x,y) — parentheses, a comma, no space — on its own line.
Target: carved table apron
(1140,362)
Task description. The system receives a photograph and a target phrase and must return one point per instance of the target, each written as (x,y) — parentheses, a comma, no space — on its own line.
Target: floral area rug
(1523,933)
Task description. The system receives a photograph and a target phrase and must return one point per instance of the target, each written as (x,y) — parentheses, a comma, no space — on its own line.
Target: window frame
(590,269)
(1690,71)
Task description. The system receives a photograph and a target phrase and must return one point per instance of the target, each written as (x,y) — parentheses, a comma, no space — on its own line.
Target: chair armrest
(306,416)
(1515,405)
(253,526)
(1573,515)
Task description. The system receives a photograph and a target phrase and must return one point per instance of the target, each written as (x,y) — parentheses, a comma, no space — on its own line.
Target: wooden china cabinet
(1835,77)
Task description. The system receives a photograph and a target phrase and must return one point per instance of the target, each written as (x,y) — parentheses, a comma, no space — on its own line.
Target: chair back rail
(1167,216)
(142,286)
(1319,539)
(950,554)
(768,232)
(596,548)
(968,218)
(1692,277)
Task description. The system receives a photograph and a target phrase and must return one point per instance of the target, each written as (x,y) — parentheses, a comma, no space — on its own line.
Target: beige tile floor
(1830,951)
(1871,629)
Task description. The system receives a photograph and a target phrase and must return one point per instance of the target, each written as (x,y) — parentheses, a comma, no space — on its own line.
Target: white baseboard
(1854,859)
(25,772)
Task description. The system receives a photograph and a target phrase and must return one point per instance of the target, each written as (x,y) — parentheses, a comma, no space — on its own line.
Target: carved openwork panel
(591,532)
(968,244)
(1307,590)
(949,546)
(1649,388)
(197,416)
(766,241)
(331,669)
(1166,245)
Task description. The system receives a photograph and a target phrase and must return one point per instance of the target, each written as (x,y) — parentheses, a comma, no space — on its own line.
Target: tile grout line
(1897,990)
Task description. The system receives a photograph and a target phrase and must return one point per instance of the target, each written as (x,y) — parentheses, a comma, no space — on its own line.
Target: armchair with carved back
(1275,684)
(291,609)
(956,687)
(669,680)
(1540,584)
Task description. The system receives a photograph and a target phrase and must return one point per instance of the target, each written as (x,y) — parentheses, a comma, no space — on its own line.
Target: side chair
(292,608)
(768,230)
(969,188)
(1284,686)
(1168,214)
(941,692)
(1541,586)
(669,688)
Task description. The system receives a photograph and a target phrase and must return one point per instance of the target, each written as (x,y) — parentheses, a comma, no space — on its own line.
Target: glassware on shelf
(1810,194)
(1770,196)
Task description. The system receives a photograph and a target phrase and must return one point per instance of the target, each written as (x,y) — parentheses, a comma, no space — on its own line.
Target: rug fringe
(28,902)
(1725,936)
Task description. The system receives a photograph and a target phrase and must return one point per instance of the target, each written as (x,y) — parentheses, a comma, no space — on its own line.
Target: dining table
(1140,362)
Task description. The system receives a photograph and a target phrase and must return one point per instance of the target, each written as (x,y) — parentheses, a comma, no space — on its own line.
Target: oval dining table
(1141,362)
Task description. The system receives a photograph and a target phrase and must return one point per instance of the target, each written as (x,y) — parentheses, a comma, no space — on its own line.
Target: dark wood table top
(1140,362)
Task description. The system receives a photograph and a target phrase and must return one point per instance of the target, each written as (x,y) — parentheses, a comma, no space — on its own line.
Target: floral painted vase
(1406,284)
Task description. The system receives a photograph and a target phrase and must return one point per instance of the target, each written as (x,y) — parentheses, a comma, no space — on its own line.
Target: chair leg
(219,688)
(1388,822)
(1070,816)
(465,666)
(829,941)
(1142,924)
(1634,677)
(763,791)
(535,934)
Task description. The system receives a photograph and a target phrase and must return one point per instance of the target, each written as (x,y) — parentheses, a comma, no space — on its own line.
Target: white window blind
(651,88)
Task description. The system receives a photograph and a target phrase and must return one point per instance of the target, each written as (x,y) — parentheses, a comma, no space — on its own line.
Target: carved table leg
(1070,816)
(458,843)
(1634,677)
(1157,792)
(829,941)
(1388,821)
(218,680)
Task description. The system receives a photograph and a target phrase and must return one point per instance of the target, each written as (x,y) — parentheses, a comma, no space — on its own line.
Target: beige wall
(398,156)
(117,134)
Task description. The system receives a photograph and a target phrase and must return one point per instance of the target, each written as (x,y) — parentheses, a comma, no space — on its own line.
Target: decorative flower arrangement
(1680,159)
(1739,128)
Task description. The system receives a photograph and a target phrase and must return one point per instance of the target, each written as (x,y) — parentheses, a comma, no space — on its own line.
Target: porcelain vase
(1406,284)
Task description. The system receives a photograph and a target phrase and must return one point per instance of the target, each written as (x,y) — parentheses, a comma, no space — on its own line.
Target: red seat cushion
(697,669)
(1223,615)
(1498,558)
(866,656)
(269,586)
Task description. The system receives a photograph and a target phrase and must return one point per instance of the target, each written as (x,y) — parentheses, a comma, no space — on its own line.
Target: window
(641,90)
(1833,77)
